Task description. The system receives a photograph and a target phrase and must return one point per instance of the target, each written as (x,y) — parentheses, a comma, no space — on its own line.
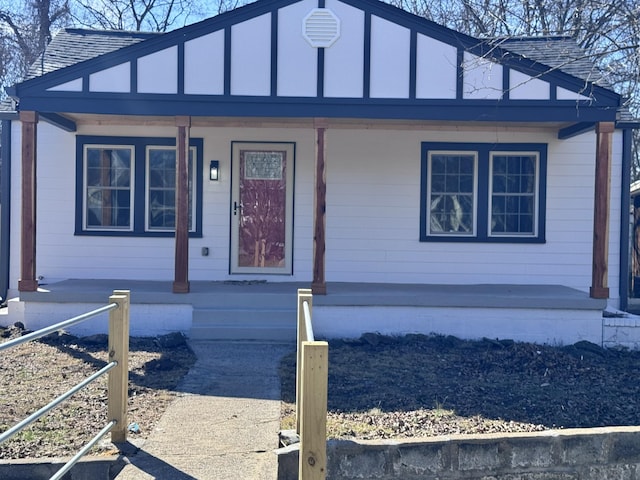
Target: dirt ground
(379,387)
(33,374)
(383,387)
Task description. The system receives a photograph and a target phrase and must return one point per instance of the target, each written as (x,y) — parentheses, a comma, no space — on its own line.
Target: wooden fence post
(313,408)
(304,295)
(119,375)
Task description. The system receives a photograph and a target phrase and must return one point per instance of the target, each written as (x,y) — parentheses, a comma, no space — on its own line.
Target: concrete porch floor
(208,293)
(266,311)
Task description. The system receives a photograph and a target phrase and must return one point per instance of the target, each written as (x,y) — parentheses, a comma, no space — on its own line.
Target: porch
(252,310)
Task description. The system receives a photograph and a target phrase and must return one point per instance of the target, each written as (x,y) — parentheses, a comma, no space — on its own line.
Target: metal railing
(312,369)
(117,368)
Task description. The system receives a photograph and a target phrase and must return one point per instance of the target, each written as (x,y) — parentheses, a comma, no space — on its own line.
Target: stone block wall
(580,454)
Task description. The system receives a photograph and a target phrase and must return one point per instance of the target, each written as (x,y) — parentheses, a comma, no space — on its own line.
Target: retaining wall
(579,454)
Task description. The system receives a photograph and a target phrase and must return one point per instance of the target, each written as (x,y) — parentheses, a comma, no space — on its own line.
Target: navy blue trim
(5,208)
(379,108)
(59,121)
(133,68)
(625,203)
(274,53)
(138,202)
(575,130)
(227,61)
(482,209)
(181,68)
(366,70)
(413,56)
(459,74)
(320,73)
(506,83)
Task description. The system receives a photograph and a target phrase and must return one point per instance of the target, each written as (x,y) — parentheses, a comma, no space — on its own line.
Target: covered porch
(252,310)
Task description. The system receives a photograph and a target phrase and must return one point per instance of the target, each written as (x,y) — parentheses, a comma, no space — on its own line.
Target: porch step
(271,324)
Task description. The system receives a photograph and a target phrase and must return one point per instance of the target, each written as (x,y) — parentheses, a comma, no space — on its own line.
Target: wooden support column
(318,285)
(600,266)
(181,276)
(28,281)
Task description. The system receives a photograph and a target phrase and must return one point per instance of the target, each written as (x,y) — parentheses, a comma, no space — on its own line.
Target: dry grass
(35,373)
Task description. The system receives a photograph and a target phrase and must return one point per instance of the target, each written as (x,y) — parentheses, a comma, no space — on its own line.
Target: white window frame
(475,155)
(192,171)
(536,194)
(85,186)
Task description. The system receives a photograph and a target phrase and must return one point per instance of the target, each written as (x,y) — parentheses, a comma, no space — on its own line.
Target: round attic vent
(321,28)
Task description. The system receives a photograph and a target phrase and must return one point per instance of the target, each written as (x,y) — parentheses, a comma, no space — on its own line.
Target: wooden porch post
(28,281)
(600,266)
(318,285)
(181,275)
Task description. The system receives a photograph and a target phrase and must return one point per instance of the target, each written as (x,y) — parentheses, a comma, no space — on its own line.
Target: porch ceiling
(309,122)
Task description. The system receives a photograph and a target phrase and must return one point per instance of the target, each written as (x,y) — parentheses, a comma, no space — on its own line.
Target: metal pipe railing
(311,394)
(58,326)
(70,464)
(117,369)
(308,326)
(54,403)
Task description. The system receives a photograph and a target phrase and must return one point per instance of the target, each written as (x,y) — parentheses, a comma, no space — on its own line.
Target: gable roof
(74,45)
(381,62)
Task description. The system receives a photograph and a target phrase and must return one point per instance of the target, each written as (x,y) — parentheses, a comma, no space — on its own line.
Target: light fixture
(214,170)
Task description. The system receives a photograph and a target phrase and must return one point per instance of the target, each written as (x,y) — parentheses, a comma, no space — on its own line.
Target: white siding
(297,60)
(564,94)
(525,87)
(482,78)
(251,57)
(373,210)
(71,86)
(389,59)
(158,72)
(115,79)
(436,68)
(344,60)
(204,64)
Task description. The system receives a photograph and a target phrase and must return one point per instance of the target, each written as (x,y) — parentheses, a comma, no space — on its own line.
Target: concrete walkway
(225,425)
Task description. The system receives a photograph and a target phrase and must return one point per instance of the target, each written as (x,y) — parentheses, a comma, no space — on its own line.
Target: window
(513,193)
(452,193)
(483,192)
(108,187)
(127,186)
(161,188)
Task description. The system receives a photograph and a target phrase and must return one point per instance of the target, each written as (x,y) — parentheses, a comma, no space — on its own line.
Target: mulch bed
(419,385)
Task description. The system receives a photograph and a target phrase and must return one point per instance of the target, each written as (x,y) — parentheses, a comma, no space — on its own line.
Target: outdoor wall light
(214,170)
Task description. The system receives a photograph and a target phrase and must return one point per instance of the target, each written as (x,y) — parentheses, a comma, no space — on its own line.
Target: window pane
(513,179)
(161,188)
(451,202)
(108,187)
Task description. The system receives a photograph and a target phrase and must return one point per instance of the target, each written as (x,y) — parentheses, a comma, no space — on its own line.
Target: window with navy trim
(127,186)
(483,192)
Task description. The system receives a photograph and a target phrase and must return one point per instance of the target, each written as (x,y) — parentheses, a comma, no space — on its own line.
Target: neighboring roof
(562,53)
(74,45)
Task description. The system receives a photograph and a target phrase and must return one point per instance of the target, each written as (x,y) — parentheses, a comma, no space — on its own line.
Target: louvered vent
(321,28)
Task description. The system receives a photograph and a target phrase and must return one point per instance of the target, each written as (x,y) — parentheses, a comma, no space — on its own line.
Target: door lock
(236,206)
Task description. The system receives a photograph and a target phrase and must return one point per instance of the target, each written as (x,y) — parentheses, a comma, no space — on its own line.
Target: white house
(416,178)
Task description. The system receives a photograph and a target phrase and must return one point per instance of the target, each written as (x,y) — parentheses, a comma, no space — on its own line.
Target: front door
(262,208)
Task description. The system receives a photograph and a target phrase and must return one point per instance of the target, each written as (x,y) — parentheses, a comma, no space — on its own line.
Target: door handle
(236,206)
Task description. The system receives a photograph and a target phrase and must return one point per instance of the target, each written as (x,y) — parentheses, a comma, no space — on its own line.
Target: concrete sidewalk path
(225,424)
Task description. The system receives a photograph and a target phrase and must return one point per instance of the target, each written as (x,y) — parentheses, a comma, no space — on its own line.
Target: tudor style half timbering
(351,142)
